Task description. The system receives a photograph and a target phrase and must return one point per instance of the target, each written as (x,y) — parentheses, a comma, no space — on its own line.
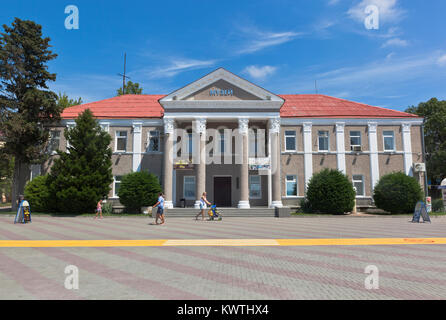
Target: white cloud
(259,40)
(442,60)
(177,66)
(396,42)
(389,11)
(259,73)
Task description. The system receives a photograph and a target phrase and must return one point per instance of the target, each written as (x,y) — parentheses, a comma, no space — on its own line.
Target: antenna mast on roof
(315,86)
(123,75)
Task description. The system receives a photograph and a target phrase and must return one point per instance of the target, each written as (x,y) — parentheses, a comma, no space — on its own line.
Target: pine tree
(130,88)
(27,106)
(82,175)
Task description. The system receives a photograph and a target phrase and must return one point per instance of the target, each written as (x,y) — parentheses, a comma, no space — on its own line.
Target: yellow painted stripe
(220,242)
(359,241)
(81,243)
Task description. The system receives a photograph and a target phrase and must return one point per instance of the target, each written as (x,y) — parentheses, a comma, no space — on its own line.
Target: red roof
(120,107)
(136,106)
(322,106)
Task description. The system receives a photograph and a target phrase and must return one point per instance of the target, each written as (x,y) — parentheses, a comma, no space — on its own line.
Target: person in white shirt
(203,205)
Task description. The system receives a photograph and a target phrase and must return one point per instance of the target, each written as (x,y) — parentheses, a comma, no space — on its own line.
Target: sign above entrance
(221,92)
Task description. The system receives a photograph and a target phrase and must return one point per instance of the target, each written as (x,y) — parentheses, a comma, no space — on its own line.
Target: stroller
(214,213)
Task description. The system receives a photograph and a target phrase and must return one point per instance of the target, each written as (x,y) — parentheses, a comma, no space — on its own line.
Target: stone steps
(225,212)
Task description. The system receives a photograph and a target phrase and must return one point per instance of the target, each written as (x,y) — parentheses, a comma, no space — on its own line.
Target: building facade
(247,147)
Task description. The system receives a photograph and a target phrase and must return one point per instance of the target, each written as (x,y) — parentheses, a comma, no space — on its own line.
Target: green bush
(437,205)
(330,191)
(38,195)
(138,189)
(305,206)
(107,208)
(397,193)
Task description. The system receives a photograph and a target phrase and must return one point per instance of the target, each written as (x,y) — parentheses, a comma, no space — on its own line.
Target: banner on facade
(183,165)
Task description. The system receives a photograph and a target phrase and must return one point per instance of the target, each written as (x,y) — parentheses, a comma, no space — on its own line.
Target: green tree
(130,88)
(63,101)
(434,113)
(82,175)
(6,173)
(27,105)
(138,189)
(38,195)
(397,193)
(330,191)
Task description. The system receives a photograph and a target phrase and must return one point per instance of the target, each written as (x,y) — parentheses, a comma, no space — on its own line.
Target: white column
(169,127)
(407,148)
(244,170)
(373,143)
(274,135)
(340,146)
(199,126)
(137,144)
(308,152)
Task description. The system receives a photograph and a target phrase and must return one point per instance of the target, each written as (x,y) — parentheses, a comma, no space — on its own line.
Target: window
(323,140)
(54,142)
(222,141)
(121,141)
(255,187)
(358,183)
(290,140)
(116,185)
(291,186)
(253,142)
(154,141)
(189,142)
(355,140)
(389,141)
(189,188)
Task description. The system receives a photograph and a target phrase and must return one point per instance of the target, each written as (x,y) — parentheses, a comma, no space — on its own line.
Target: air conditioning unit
(419,167)
(356,148)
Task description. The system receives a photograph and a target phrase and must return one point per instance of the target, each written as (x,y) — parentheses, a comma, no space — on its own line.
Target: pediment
(221,85)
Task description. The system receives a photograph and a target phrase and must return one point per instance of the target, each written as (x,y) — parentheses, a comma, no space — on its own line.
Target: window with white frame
(290,140)
(291,185)
(389,140)
(323,140)
(358,183)
(253,142)
(190,142)
(222,141)
(121,141)
(54,142)
(116,185)
(153,141)
(255,187)
(355,140)
(189,188)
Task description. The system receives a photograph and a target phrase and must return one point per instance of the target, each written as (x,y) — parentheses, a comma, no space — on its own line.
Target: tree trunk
(21,176)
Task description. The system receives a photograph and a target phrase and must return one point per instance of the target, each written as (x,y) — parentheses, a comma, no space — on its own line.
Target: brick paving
(312,272)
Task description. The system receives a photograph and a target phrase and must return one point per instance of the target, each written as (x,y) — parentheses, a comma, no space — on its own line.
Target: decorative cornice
(372,126)
(406,126)
(243,124)
(307,127)
(340,126)
(169,125)
(137,127)
(274,125)
(200,125)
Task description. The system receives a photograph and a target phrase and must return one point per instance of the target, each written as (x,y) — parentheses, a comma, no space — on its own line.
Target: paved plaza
(406,271)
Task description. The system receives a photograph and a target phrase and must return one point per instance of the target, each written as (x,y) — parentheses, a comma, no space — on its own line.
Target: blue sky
(283,46)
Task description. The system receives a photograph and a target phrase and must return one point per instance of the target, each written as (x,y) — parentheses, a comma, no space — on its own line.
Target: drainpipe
(424,158)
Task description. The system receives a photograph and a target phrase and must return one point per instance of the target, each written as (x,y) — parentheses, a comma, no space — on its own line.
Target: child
(160,211)
(99,209)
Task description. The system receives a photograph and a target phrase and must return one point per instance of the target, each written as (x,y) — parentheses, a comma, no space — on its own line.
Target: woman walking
(203,205)
(160,211)
(99,209)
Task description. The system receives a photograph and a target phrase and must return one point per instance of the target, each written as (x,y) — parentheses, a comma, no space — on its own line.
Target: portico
(235,133)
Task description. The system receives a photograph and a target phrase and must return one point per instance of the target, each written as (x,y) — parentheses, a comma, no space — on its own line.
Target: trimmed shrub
(107,208)
(330,191)
(397,193)
(437,205)
(138,189)
(38,194)
(305,206)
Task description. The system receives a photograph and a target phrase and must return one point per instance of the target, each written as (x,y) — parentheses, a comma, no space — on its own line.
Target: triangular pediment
(221,85)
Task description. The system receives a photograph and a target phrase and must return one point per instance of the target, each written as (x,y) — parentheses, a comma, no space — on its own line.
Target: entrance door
(222,191)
